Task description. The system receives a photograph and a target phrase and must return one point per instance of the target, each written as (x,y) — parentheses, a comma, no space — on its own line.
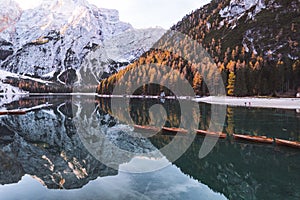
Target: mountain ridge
(56,37)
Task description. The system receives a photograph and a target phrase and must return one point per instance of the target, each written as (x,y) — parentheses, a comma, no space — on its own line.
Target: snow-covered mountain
(57,35)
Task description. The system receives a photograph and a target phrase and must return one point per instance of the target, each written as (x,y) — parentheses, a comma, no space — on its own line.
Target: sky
(142,13)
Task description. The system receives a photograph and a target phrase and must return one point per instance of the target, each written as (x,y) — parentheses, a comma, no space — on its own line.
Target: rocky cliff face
(56,36)
(10,13)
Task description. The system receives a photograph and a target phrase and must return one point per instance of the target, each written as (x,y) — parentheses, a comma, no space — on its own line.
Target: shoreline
(253,102)
(250,102)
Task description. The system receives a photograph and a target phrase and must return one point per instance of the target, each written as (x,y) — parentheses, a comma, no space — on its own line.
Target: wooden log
(212,134)
(174,130)
(287,143)
(259,139)
(13,112)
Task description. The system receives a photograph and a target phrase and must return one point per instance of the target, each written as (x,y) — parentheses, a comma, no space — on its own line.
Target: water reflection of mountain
(44,144)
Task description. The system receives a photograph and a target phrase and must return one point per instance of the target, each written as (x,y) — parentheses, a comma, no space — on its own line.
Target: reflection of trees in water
(139,112)
(243,120)
(230,121)
(278,123)
(34,101)
(140,115)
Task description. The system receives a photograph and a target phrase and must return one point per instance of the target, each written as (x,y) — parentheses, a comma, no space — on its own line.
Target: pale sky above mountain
(142,13)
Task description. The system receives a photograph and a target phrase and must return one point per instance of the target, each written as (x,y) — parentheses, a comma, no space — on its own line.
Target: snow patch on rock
(132,43)
(238,8)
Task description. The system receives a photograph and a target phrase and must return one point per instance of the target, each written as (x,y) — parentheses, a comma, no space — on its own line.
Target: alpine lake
(48,152)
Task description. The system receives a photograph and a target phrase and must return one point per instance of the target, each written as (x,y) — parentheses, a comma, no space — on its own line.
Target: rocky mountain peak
(56,36)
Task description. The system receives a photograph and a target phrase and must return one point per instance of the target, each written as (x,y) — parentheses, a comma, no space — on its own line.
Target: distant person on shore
(162,94)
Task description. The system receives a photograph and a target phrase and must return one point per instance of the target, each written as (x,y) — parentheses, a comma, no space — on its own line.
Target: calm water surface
(42,155)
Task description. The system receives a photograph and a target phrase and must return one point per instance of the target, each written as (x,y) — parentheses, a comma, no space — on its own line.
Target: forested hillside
(254,44)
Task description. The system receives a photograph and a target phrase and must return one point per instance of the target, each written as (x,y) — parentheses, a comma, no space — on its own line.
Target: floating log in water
(174,130)
(146,128)
(212,134)
(287,143)
(13,112)
(260,139)
(257,139)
